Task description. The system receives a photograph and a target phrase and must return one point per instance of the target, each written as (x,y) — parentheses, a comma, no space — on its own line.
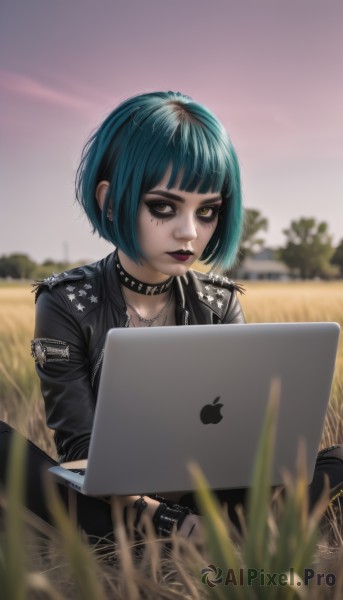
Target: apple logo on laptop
(210,413)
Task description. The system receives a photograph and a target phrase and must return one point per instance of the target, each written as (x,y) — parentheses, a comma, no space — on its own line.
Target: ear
(100,193)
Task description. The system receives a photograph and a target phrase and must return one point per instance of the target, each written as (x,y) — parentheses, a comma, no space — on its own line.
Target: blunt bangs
(139,142)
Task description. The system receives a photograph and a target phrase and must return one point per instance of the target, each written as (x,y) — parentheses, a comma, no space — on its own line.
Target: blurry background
(271,70)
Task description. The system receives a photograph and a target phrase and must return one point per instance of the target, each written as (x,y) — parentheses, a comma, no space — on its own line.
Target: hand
(192,528)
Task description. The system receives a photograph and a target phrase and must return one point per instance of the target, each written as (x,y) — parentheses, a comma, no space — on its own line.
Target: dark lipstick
(181,255)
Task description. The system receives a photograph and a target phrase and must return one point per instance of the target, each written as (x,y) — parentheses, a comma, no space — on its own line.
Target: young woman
(160,180)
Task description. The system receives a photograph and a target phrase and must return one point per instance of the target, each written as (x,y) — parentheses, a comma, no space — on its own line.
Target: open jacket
(74,311)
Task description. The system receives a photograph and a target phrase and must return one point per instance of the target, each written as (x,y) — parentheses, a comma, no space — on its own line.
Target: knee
(5,428)
(333,452)
(329,466)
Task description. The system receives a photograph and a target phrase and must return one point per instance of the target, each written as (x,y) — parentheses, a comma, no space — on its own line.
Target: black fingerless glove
(167,516)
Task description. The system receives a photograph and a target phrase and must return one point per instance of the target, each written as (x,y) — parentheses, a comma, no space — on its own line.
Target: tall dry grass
(20,399)
(299,301)
(56,563)
(273,302)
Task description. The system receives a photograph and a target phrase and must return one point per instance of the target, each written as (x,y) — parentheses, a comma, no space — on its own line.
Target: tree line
(308,251)
(20,266)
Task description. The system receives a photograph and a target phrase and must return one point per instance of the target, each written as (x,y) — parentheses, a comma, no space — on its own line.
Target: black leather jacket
(74,312)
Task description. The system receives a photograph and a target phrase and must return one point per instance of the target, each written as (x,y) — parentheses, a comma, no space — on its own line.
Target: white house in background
(263,266)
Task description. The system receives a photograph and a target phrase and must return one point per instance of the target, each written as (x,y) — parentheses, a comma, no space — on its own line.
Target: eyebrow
(178,198)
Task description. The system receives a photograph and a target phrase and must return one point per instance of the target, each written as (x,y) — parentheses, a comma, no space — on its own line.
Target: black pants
(94,514)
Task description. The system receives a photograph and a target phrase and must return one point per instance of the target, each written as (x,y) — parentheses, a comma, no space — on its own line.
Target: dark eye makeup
(165,210)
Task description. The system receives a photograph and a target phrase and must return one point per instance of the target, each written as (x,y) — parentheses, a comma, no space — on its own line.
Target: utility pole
(66,253)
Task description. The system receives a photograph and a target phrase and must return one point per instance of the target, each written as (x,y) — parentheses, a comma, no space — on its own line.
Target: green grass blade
(222,551)
(13,573)
(255,546)
(81,563)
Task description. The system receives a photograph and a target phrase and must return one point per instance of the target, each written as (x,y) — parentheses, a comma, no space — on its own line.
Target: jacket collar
(114,292)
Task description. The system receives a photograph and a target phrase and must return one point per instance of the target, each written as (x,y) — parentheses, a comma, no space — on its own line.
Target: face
(173,228)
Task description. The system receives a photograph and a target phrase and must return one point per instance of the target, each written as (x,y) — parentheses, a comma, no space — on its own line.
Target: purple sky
(272,70)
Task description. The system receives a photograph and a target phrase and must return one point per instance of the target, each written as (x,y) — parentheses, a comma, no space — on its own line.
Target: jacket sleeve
(234,313)
(63,367)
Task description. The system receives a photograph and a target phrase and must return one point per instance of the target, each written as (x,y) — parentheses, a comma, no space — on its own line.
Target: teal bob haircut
(133,149)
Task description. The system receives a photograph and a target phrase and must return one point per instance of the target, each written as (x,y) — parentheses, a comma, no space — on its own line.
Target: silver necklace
(150,321)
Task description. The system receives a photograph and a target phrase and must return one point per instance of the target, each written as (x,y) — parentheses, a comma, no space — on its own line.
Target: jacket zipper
(97,366)
(100,358)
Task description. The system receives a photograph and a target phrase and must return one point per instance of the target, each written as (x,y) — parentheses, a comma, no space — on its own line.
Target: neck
(136,279)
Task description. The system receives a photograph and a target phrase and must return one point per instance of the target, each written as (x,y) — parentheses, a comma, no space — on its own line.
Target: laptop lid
(171,395)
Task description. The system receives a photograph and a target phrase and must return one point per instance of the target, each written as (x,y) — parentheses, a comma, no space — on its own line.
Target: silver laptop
(169,396)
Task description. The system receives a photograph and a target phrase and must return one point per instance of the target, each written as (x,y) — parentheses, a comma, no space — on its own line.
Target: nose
(186,228)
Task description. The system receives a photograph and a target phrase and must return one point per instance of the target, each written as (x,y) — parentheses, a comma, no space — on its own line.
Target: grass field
(266,544)
(20,398)
(262,302)
(298,301)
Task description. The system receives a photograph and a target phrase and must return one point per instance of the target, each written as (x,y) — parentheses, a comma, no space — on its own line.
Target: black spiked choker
(148,289)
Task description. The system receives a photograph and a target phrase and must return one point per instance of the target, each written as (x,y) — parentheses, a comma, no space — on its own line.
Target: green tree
(48,267)
(17,266)
(309,247)
(254,224)
(337,258)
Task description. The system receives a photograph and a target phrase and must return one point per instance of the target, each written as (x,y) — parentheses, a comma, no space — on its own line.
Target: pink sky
(271,70)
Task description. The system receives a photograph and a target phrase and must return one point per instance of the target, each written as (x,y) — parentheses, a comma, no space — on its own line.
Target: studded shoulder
(56,279)
(79,291)
(224,282)
(81,295)
(216,291)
